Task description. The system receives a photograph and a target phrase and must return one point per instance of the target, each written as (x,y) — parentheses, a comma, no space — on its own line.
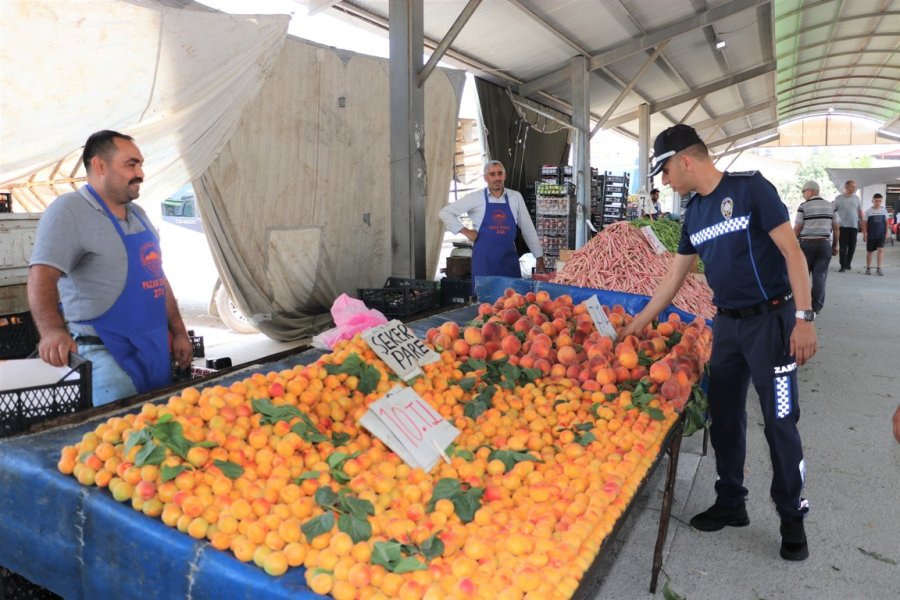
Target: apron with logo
(494,251)
(135,328)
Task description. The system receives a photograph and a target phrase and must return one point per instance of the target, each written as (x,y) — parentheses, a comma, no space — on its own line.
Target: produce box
(455,291)
(197,348)
(402,297)
(188,374)
(18,336)
(38,392)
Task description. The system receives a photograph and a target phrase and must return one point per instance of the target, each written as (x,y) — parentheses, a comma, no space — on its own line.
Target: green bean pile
(668,232)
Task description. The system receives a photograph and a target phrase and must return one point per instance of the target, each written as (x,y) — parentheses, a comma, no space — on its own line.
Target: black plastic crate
(21,408)
(15,587)
(18,336)
(455,291)
(402,297)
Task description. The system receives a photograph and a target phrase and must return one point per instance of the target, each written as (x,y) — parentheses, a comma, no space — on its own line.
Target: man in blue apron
(497,213)
(96,253)
(763,330)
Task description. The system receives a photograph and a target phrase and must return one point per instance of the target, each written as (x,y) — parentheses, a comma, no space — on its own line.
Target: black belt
(760,309)
(815,239)
(88,340)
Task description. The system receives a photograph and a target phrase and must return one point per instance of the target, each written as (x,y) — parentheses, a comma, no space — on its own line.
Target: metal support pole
(644,147)
(581,123)
(407,140)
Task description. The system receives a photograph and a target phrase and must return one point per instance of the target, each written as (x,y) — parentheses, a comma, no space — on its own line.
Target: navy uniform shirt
(730,228)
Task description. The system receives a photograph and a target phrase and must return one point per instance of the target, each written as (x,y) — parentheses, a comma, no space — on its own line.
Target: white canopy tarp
(297,207)
(864,176)
(176,80)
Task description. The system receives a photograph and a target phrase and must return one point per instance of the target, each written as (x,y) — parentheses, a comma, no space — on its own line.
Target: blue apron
(494,251)
(135,328)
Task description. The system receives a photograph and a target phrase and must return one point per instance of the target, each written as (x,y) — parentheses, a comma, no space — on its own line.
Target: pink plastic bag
(350,317)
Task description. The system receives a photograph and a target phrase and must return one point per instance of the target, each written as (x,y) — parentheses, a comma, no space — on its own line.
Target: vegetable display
(668,232)
(620,259)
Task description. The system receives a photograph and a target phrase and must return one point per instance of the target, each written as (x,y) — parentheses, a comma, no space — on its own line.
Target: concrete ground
(848,393)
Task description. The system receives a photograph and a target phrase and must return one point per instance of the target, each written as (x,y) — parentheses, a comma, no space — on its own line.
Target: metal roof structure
(734,69)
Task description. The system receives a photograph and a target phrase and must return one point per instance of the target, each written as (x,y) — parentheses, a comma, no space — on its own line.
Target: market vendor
(494,251)
(96,253)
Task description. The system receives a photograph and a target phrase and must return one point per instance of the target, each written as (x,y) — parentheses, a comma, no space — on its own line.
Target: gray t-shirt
(847,209)
(76,237)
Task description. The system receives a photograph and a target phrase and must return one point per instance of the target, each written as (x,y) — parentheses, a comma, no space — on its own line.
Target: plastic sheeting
(176,80)
(297,207)
(80,543)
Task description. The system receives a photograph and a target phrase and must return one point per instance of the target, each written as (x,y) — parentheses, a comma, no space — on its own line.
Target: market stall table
(80,543)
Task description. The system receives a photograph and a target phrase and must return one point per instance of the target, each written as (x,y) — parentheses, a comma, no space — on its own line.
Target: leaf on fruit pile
(171,435)
(467,383)
(390,556)
(150,454)
(466,499)
(318,525)
(229,469)
(272,414)
(472,365)
(695,412)
(509,458)
(339,438)
(308,475)
(359,529)
(480,403)
(307,430)
(368,375)
(668,594)
(464,454)
(673,339)
(169,473)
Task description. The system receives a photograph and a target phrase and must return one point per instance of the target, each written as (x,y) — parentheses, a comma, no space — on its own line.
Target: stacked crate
(612,203)
(556,220)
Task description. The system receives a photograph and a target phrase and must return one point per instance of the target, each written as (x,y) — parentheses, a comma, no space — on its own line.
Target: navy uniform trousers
(756,348)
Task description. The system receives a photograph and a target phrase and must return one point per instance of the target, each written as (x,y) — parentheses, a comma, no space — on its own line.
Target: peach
(442,342)
(450,329)
(523,324)
(460,348)
(490,331)
(660,372)
(566,354)
(473,336)
(478,352)
(485,310)
(510,345)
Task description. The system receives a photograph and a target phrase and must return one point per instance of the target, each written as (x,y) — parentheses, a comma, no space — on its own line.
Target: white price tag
(397,345)
(601,321)
(653,239)
(410,427)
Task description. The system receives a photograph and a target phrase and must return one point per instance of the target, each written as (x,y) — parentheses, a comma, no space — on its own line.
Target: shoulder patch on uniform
(742,173)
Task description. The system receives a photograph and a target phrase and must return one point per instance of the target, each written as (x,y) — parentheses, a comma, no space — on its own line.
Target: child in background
(875,233)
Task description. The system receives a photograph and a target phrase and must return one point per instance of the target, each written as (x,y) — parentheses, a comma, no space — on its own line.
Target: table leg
(674,451)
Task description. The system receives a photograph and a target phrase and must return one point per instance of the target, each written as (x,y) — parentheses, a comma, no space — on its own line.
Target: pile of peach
(559,427)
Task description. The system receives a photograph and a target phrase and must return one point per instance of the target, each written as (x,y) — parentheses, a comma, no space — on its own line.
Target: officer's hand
(55,346)
(182,351)
(803,342)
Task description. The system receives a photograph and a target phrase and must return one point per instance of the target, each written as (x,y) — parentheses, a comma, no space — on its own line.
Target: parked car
(181,209)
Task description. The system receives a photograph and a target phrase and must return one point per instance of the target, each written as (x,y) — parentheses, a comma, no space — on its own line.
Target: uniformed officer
(764,328)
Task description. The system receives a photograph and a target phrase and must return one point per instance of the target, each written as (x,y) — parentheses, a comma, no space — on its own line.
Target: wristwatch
(807,315)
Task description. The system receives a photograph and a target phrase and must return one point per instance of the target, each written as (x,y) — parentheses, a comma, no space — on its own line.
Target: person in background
(96,253)
(817,229)
(654,199)
(875,233)
(763,331)
(849,210)
(496,213)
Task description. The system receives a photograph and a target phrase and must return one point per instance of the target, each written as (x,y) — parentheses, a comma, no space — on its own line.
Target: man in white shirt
(496,213)
(849,210)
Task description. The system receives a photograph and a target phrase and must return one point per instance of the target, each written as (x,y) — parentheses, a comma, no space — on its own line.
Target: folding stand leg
(674,451)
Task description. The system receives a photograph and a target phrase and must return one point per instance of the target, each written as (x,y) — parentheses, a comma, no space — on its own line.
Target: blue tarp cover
(80,543)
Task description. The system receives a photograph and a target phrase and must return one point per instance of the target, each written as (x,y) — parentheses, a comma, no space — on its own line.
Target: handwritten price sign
(410,427)
(601,321)
(653,239)
(397,345)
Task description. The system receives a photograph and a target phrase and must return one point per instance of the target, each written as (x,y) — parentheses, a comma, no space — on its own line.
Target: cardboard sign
(601,321)
(410,427)
(400,349)
(653,239)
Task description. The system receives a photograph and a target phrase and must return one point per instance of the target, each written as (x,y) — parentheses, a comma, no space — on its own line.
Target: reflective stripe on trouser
(756,348)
